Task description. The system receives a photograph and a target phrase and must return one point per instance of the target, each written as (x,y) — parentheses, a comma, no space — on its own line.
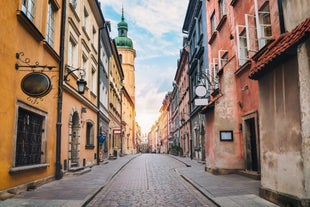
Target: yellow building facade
(125,48)
(79,113)
(30,42)
(116,77)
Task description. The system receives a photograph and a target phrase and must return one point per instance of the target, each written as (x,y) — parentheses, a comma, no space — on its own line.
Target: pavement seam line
(87,200)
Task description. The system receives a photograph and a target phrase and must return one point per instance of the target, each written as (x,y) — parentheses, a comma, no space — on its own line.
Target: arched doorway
(75,140)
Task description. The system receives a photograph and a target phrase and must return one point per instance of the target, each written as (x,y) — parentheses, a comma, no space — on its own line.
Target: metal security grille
(29,138)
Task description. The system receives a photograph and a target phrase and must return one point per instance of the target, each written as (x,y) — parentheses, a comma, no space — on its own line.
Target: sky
(155,27)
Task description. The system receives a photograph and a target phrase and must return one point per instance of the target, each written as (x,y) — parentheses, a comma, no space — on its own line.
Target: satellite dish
(201,91)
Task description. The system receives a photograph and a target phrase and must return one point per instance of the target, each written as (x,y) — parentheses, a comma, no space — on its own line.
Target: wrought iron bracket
(27,64)
(71,69)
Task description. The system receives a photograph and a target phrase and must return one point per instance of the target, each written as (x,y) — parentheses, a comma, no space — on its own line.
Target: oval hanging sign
(36,84)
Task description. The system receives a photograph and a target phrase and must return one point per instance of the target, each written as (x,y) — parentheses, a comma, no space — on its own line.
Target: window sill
(244,67)
(233,2)
(94,48)
(215,92)
(85,32)
(74,12)
(212,38)
(51,50)
(89,147)
(28,167)
(29,26)
(222,22)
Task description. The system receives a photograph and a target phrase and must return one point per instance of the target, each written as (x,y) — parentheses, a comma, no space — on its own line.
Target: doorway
(251,142)
(75,140)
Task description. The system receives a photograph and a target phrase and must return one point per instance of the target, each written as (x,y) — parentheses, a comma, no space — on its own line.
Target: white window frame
(28,7)
(72,52)
(223,8)
(85,20)
(213,23)
(262,38)
(93,80)
(241,48)
(85,74)
(220,54)
(50,26)
(250,37)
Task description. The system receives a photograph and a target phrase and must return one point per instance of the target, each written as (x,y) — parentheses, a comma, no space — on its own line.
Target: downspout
(98,97)
(281,17)
(98,92)
(58,173)
(121,154)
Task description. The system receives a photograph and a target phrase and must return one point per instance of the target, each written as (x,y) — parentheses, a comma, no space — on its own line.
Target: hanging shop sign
(36,84)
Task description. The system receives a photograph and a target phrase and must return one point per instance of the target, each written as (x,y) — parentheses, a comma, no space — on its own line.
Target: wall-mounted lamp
(81,83)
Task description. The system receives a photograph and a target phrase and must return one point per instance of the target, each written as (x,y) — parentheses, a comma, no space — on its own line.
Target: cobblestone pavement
(150,180)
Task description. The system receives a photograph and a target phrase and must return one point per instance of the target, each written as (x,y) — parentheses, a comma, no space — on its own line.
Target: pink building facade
(237,30)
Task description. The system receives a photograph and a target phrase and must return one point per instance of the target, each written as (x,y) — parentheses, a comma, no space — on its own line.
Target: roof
(278,48)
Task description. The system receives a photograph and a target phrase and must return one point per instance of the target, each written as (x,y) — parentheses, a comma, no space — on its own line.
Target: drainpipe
(122,119)
(58,173)
(98,98)
(281,17)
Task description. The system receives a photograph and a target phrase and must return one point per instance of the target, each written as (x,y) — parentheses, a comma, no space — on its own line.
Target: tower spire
(123,18)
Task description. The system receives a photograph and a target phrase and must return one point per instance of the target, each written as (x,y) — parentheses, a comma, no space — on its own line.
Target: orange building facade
(30,59)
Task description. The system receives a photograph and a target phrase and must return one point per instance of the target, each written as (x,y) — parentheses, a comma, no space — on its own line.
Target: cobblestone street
(150,180)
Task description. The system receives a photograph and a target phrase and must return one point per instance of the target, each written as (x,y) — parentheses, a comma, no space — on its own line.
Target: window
(94,37)
(89,135)
(222,57)
(50,24)
(213,23)
(30,143)
(28,7)
(93,80)
(264,31)
(222,8)
(200,25)
(85,22)
(73,3)
(242,45)
(84,67)
(72,51)
(193,43)
(215,69)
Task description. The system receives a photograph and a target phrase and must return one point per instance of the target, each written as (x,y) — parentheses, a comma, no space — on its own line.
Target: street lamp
(81,83)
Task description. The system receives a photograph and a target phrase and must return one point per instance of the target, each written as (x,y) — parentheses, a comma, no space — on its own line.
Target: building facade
(182,83)
(164,124)
(79,113)
(232,111)
(103,89)
(127,55)
(30,58)
(116,77)
(282,71)
(195,28)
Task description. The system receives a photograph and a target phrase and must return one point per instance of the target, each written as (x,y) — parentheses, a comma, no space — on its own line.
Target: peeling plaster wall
(304,77)
(228,154)
(282,165)
(294,18)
